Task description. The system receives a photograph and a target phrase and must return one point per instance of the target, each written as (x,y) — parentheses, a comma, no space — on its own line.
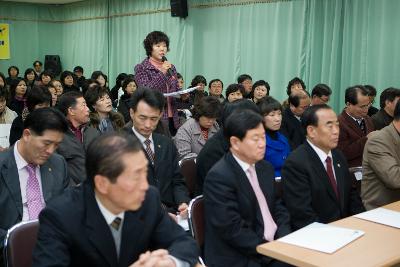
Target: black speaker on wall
(52,63)
(179,8)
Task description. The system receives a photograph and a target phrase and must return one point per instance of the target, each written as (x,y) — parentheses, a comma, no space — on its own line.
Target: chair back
(189,172)
(19,244)
(196,219)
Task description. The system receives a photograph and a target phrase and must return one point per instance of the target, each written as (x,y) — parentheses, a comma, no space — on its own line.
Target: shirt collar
(141,137)
(19,160)
(108,215)
(321,154)
(244,165)
(357,120)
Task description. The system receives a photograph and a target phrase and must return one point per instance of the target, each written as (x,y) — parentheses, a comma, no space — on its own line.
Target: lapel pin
(159,146)
(49,169)
(338,165)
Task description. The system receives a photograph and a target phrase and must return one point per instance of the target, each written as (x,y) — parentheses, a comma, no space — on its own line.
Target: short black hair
(234,87)
(293,82)
(371,89)
(43,119)
(153,98)
(37,95)
(78,68)
(98,73)
(128,80)
(104,155)
(351,93)
(389,94)
(88,84)
(94,94)
(198,79)
(3,94)
(320,90)
(244,77)
(66,73)
(153,38)
(13,86)
(309,116)
(208,106)
(46,73)
(3,78)
(27,71)
(13,67)
(396,113)
(294,99)
(260,83)
(37,62)
(268,104)
(68,100)
(240,104)
(241,121)
(215,80)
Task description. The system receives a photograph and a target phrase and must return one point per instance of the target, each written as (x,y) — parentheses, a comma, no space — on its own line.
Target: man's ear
(101,183)
(26,134)
(234,141)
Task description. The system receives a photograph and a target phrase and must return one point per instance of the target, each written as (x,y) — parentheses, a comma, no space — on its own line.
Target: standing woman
(30,77)
(18,95)
(157,73)
(68,81)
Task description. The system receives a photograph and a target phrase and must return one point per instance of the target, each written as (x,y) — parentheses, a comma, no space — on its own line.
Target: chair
(189,171)
(19,244)
(196,219)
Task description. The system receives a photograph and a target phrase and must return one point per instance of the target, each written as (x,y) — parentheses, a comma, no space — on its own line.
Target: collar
(357,120)
(108,215)
(244,165)
(19,160)
(321,154)
(141,137)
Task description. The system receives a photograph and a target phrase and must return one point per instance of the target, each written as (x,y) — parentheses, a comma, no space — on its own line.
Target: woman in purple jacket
(157,73)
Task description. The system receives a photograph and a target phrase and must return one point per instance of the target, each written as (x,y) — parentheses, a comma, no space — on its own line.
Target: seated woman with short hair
(194,133)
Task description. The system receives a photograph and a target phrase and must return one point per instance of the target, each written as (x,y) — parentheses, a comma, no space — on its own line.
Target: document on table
(4,135)
(322,237)
(382,216)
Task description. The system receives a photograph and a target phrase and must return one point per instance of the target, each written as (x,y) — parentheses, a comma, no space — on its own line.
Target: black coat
(292,129)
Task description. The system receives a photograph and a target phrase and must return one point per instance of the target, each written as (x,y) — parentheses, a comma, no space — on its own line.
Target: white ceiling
(55,2)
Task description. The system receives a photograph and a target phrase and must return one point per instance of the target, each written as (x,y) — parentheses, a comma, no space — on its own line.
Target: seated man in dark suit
(30,174)
(164,172)
(387,101)
(316,179)
(114,218)
(241,209)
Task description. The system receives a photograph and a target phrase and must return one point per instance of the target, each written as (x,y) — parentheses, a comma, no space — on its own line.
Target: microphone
(169,70)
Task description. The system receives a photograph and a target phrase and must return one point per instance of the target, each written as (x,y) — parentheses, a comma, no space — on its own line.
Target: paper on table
(183,222)
(322,237)
(382,216)
(181,92)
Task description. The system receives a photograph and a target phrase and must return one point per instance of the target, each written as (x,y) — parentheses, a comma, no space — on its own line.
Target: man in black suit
(164,172)
(241,210)
(114,218)
(316,180)
(30,174)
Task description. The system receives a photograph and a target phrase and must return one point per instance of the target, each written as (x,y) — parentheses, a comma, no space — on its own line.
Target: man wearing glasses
(320,94)
(355,124)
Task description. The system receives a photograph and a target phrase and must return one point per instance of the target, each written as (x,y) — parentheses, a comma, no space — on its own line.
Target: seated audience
(3,83)
(102,116)
(13,72)
(88,85)
(291,120)
(200,92)
(38,97)
(259,90)
(68,82)
(234,92)
(80,79)
(59,88)
(6,115)
(31,174)
(320,94)
(163,169)
(53,91)
(116,92)
(215,88)
(183,104)
(240,207)
(372,94)
(380,184)
(18,91)
(277,148)
(247,82)
(37,65)
(387,102)
(44,79)
(194,133)
(114,218)
(316,182)
(78,136)
(295,85)
(30,78)
(100,77)
(355,124)
(128,87)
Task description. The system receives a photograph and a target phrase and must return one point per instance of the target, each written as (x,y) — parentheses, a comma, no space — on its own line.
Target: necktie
(33,194)
(116,223)
(269,224)
(362,125)
(331,176)
(149,152)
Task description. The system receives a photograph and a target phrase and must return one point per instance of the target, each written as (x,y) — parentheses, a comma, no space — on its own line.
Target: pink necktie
(269,224)
(33,194)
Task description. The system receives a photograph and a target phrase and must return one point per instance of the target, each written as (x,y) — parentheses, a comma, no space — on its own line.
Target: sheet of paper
(358,176)
(382,216)
(184,223)
(4,135)
(180,92)
(322,237)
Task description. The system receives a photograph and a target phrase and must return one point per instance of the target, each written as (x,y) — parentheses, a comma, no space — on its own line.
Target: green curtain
(341,42)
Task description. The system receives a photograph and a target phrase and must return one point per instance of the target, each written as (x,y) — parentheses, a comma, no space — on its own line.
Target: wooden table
(379,246)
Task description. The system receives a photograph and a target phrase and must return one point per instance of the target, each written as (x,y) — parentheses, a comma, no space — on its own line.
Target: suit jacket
(352,139)
(53,177)
(292,129)
(165,174)
(381,168)
(234,224)
(73,232)
(381,119)
(308,193)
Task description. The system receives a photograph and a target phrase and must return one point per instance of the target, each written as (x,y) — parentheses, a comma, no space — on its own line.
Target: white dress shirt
(142,139)
(322,156)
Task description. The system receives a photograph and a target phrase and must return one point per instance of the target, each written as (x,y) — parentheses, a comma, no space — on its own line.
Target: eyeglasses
(367,106)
